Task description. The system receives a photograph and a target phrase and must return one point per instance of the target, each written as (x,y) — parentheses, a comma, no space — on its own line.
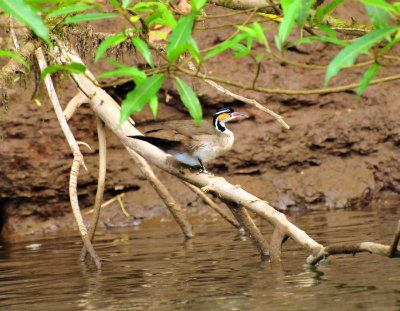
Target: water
(153,268)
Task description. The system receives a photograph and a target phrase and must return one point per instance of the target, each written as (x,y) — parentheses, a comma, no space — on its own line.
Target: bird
(194,145)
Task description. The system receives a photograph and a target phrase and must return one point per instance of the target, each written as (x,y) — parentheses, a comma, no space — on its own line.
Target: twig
(242,98)
(74,104)
(163,193)
(100,182)
(283,91)
(78,158)
(107,203)
(13,35)
(214,206)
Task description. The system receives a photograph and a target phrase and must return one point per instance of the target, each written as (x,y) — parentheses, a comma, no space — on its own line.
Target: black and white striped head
(224,115)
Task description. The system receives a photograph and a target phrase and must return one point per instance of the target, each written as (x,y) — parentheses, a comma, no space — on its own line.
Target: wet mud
(339,152)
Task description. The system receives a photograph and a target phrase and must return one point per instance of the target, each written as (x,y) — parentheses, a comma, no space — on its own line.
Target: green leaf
(15,56)
(250,31)
(285,4)
(126,71)
(259,33)
(71,68)
(348,55)
(378,16)
(259,57)
(88,17)
(153,103)
(391,43)
(240,48)
(144,49)
(225,45)
(26,15)
(126,3)
(180,37)
(304,11)
(328,30)
(78,7)
(197,5)
(379,3)
(366,79)
(190,100)
(139,96)
(331,6)
(290,15)
(194,50)
(167,17)
(109,42)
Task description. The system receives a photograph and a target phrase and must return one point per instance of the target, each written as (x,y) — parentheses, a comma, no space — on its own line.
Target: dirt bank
(337,154)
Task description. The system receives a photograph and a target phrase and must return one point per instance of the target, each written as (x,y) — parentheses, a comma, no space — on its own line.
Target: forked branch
(78,158)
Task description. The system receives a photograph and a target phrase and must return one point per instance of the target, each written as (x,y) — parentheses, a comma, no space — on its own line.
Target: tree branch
(214,206)
(100,182)
(163,193)
(78,158)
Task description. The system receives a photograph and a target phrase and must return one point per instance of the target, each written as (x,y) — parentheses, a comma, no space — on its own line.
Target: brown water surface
(153,268)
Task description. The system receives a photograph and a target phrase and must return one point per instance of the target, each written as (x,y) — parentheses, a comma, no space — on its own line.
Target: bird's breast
(209,150)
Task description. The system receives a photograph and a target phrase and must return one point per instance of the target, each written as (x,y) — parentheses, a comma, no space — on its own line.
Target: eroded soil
(339,153)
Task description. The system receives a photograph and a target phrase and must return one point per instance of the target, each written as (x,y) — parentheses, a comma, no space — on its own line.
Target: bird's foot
(204,171)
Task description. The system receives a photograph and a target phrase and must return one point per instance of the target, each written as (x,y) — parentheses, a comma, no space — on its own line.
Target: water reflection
(154,268)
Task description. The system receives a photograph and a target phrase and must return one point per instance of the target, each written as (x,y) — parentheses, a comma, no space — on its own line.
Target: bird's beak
(239,115)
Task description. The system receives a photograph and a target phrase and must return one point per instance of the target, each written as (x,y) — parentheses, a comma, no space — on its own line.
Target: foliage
(376,39)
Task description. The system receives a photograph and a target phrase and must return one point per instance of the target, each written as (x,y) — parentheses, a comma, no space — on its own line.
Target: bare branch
(163,193)
(249,226)
(214,206)
(100,182)
(278,238)
(74,104)
(261,5)
(13,35)
(252,102)
(78,158)
(371,247)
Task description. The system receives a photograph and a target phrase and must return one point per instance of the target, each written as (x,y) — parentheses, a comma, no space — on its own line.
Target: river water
(151,267)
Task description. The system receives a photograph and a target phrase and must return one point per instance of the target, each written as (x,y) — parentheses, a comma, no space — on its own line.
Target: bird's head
(224,115)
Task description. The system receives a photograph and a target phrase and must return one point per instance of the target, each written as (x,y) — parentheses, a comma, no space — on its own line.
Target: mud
(339,153)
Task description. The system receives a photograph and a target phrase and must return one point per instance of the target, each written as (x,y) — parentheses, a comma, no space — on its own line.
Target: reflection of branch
(78,158)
